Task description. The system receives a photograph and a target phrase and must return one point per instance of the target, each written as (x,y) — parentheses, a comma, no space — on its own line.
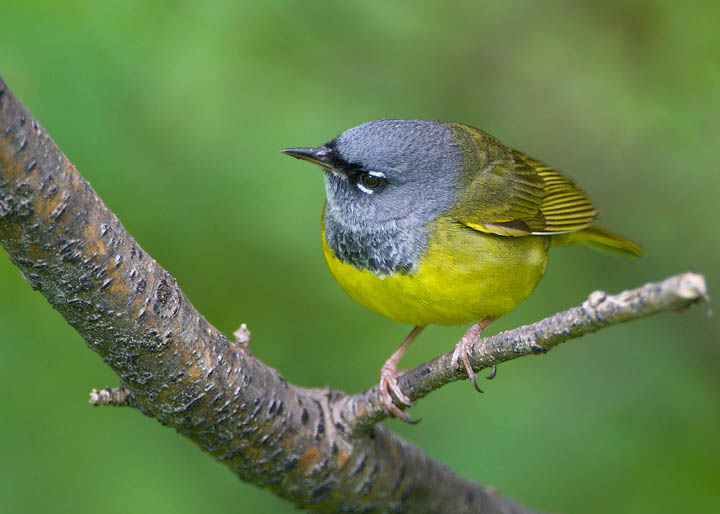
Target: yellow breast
(464,276)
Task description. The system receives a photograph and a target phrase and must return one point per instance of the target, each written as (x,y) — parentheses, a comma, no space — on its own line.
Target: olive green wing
(521,196)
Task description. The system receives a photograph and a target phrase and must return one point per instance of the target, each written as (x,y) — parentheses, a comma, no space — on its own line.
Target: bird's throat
(396,247)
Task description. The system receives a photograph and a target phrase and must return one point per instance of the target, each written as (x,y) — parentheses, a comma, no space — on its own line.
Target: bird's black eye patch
(368,182)
(335,160)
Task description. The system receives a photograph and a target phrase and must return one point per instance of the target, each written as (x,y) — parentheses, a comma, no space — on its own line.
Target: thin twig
(598,311)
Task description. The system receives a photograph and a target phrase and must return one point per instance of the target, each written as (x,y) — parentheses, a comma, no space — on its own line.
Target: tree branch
(184,372)
(303,444)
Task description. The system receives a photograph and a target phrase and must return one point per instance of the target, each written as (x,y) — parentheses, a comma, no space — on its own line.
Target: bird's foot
(388,387)
(389,381)
(463,347)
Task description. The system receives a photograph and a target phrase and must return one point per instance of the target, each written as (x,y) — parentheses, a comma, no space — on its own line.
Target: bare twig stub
(113,396)
(242,336)
(317,448)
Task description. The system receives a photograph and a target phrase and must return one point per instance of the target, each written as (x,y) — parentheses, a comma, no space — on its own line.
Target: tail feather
(599,238)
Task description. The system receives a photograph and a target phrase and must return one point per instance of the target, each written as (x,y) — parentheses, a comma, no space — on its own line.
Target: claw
(389,385)
(492,373)
(461,353)
(388,388)
(463,347)
(474,382)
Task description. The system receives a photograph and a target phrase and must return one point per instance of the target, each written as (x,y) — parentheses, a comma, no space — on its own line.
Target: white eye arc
(371,181)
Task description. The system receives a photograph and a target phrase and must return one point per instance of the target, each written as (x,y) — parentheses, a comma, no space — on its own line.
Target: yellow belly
(464,276)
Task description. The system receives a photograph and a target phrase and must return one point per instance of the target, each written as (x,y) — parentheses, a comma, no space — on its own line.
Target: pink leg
(388,380)
(465,344)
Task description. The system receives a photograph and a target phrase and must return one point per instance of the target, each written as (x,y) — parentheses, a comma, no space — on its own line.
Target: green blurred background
(176,112)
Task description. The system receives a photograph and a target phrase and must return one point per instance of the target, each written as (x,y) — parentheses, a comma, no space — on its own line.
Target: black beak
(320,155)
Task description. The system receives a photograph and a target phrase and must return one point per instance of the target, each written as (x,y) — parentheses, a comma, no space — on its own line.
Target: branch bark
(320,449)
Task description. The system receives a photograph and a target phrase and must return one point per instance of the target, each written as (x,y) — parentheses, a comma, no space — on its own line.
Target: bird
(437,222)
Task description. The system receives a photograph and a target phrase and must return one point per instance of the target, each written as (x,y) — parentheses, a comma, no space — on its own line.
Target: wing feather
(522,196)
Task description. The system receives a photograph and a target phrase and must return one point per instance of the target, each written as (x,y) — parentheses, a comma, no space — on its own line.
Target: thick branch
(598,311)
(180,369)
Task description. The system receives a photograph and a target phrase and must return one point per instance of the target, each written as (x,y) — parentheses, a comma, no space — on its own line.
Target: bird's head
(387,170)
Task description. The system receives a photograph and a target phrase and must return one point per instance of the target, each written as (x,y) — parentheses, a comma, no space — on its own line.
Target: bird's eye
(370,182)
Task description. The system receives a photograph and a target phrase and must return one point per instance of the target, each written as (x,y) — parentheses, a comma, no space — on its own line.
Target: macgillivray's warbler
(439,222)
